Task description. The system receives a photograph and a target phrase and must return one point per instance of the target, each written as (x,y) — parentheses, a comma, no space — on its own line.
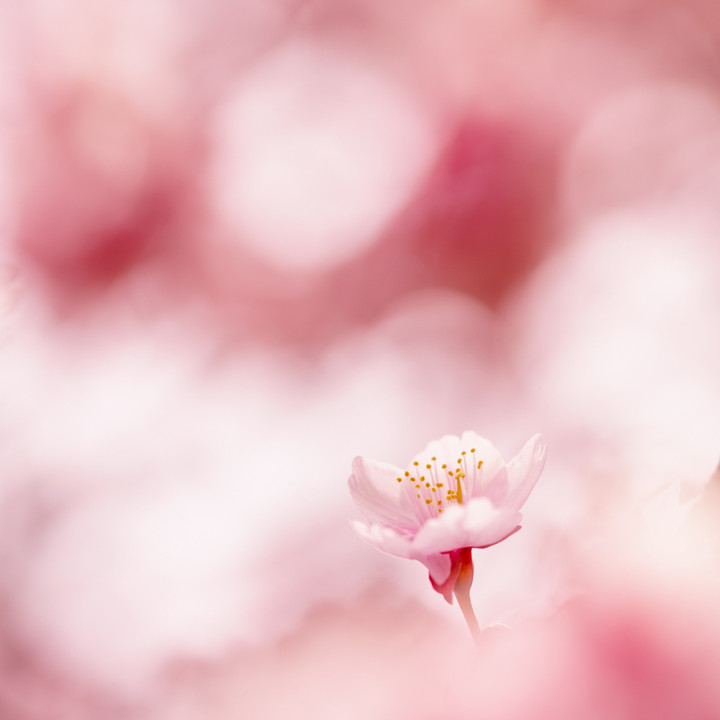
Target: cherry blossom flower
(456,495)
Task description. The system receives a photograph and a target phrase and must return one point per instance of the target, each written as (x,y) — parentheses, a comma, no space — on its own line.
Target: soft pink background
(243,242)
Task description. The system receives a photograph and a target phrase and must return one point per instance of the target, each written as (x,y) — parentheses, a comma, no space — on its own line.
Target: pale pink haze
(457,494)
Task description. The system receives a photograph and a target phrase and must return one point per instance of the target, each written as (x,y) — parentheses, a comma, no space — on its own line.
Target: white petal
(378,494)
(523,472)
(477,523)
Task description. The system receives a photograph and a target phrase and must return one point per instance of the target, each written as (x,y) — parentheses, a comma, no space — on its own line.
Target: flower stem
(462,593)
(469,615)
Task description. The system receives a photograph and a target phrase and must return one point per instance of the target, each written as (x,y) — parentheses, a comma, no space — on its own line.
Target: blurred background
(243,242)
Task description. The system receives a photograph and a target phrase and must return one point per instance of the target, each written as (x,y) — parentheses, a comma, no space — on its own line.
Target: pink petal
(449,572)
(384,539)
(438,566)
(477,523)
(489,479)
(450,447)
(388,541)
(378,494)
(523,472)
(494,487)
(446,447)
(485,451)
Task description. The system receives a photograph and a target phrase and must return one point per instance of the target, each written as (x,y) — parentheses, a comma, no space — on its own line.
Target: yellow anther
(434,489)
(439,502)
(480,462)
(428,501)
(407,474)
(444,466)
(459,492)
(439,509)
(463,453)
(422,478)
(427,484)
(433,458)
(417,486)
(459,461)
(416,463)
(429,467)
(418,496)
(472,449)
(399,479)
(450,472)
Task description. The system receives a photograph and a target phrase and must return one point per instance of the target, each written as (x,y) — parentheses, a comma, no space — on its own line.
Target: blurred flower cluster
(242,243)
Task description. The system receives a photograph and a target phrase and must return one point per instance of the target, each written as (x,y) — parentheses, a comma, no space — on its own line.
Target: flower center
(436,485)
